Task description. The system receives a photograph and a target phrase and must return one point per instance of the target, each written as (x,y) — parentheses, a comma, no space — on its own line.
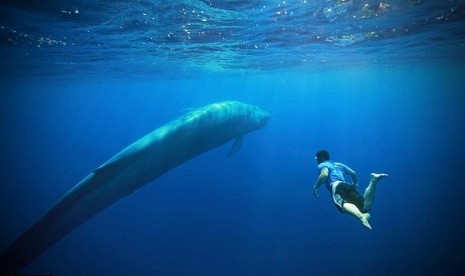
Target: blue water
(379,84)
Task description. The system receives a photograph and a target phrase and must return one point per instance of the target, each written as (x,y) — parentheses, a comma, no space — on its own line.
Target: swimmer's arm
(353,175)
(321,179)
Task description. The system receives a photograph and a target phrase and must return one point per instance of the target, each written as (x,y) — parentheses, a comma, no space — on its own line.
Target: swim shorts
(343,192)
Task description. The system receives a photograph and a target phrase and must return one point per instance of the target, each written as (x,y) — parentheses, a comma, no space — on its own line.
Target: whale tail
(54,225)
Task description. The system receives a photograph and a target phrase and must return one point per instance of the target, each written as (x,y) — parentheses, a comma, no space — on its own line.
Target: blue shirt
(336,172)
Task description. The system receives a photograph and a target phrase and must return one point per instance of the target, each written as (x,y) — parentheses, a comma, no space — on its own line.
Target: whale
(140,163)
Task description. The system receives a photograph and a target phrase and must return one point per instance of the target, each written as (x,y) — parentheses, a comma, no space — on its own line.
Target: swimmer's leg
(370,191)
(351,209)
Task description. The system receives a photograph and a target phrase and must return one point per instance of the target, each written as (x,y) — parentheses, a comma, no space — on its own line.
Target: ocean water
(380,84)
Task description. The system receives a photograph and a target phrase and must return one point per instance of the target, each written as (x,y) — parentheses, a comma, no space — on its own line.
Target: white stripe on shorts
(337,199)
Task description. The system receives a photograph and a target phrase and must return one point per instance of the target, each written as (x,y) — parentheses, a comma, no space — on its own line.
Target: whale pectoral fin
(236,146)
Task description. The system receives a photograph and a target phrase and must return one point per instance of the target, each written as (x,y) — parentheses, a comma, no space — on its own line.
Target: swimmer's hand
(315,192)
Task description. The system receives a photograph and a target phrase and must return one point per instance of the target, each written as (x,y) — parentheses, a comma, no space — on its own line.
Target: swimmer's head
(321,156)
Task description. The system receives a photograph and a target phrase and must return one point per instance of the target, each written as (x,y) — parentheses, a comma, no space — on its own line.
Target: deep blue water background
(252,213)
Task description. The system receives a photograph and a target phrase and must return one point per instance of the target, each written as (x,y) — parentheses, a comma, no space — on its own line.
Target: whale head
(260,117)
(240,117)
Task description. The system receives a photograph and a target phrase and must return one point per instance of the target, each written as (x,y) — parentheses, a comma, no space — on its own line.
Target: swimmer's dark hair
(321,156)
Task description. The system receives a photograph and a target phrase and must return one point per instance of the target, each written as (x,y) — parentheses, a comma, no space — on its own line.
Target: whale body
(138,164)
